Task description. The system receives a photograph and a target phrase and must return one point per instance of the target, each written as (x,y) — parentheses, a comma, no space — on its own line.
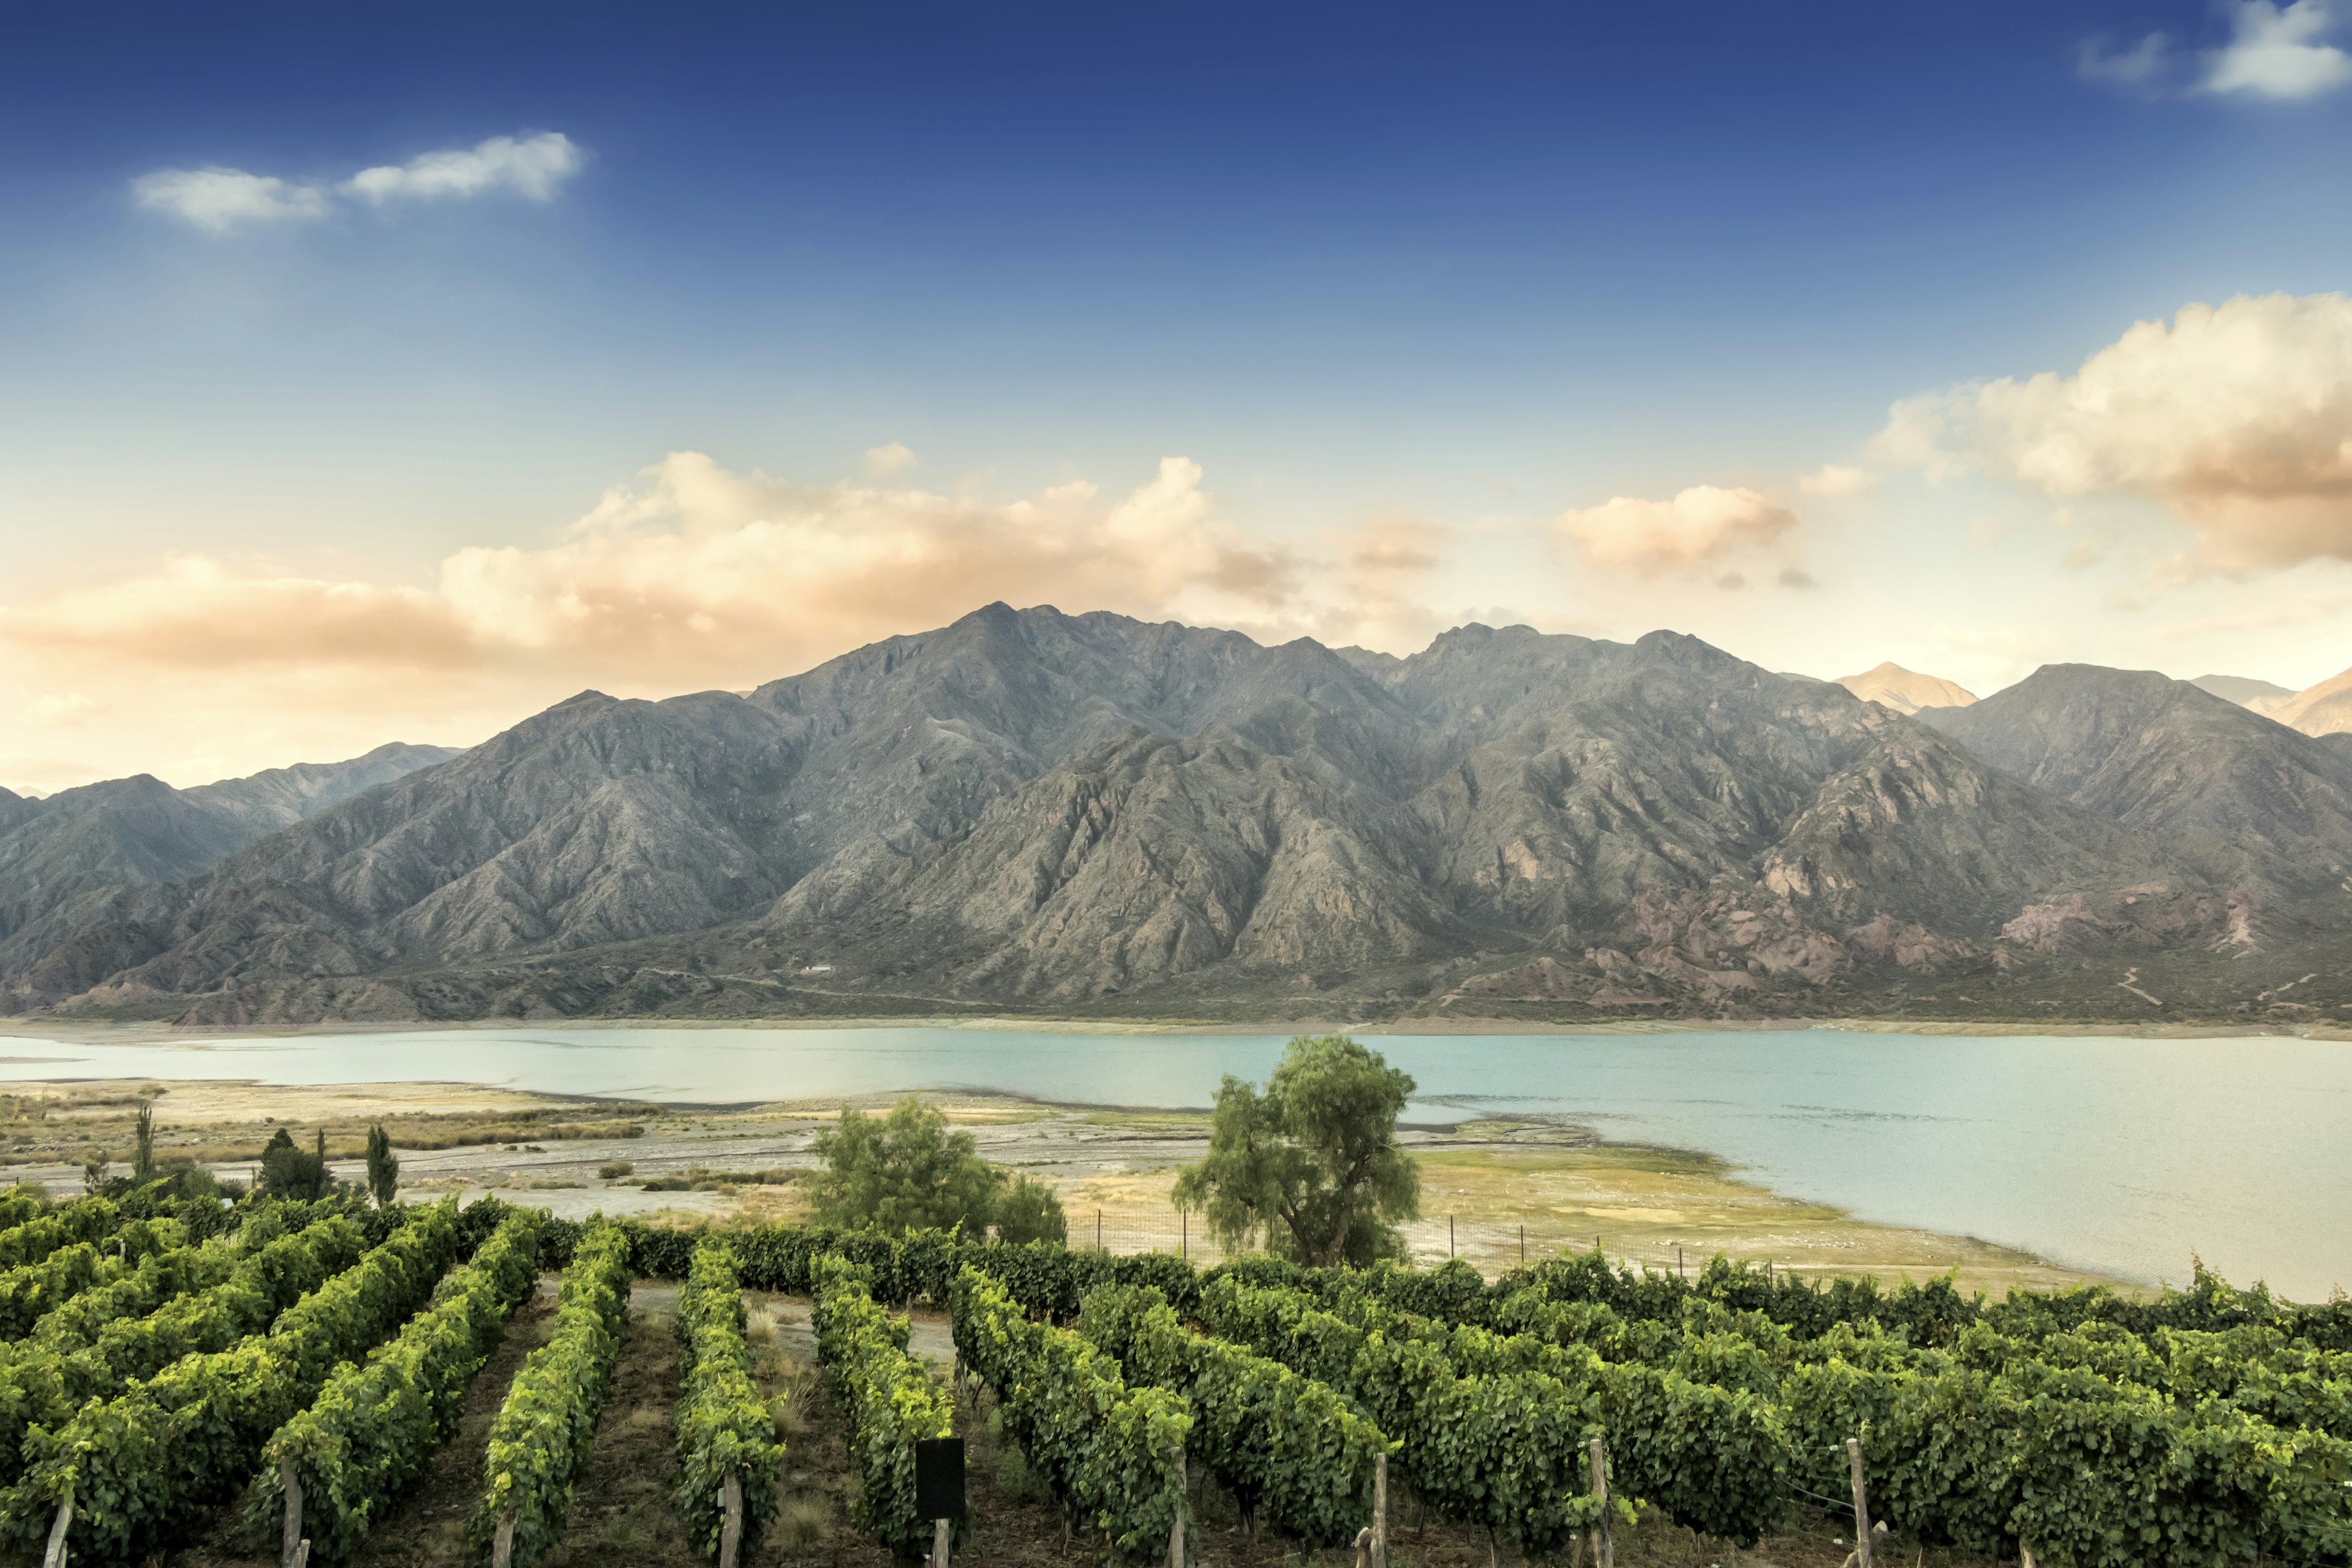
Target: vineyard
(286,1374)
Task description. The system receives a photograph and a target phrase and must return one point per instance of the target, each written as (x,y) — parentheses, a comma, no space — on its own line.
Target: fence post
(1098,1245)
(1449,1235)
(502,1543)
(1605,1554)
(1523,1244)
(939,1529)
(1176,1531)
(1862,1541)
(290,1541)
(1380,1510)
(302,1554)
(730,1519)
(55,1557)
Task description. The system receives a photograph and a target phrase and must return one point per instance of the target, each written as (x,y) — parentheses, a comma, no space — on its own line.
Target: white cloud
(2237,419)
(2144,68)
(881,462)
(1700,525)
(1829,479)
(2279,52)
(533,167)
(219,199)
(691,572)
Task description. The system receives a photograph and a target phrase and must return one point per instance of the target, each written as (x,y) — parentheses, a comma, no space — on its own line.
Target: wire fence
(1491,1247)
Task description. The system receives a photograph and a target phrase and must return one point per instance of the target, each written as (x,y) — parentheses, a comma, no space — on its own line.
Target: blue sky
(1417,291)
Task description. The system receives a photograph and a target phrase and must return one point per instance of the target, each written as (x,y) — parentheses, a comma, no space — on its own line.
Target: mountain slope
(2322,710)
(1905,690)
(2243,690)
(67,859)
(1029,809)
(2229,791)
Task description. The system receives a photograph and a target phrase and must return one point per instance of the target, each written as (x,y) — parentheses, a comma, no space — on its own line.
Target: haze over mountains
(2324,708)
(1088,814)
(1905,690)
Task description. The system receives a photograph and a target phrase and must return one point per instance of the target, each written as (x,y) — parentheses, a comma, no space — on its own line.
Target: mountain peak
(1905,690)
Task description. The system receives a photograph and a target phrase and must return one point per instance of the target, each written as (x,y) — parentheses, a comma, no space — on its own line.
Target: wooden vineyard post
(939,1529)
(302,1554)
(55,1557)
(1449,1235)
(730,1519)
(290,1541)
(1176,1531)
(1523,1244)
(2025,1555)
(1605,1554)
(502,1543)
(1380,1510)
(1862,1532)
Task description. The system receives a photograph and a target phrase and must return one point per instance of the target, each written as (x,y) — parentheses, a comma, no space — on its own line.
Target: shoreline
(1495,1190)
(64,1030)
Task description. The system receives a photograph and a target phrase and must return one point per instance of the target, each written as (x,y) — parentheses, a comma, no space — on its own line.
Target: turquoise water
(2119,1154)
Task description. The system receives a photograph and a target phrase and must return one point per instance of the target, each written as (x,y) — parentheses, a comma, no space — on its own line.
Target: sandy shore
(1492,1190)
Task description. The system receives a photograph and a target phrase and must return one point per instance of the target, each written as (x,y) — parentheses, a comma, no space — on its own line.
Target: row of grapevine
(724,1428)
(136,1468)
(1110,1452)
(31,1292)
(31,1239)
(191,1305)
(1502,1448)
(886,1398)
(540,1442)
(376,1425)
(22,1202)
(1047,1278)
(1284,1443)
(1983,1444)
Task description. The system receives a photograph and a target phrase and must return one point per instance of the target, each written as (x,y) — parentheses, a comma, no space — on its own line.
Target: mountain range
(2322,710)
(1092,815)
(1905,690)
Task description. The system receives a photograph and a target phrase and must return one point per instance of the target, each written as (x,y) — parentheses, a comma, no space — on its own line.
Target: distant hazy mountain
(2243,690)
(2241,797)
(67,859)
(1905,690)
(1091,814)
(2322,710)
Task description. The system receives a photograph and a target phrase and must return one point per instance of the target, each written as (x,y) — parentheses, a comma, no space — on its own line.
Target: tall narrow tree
(383,1167)
(142,1146)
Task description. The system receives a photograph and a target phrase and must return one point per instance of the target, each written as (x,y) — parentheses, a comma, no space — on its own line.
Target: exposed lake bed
(2070,1156)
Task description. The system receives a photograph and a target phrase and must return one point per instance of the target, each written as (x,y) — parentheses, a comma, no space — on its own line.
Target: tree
(383,1166)
(287,1171)
(1031,1211)
(142,1144)
(1312,1161)
(903,1171)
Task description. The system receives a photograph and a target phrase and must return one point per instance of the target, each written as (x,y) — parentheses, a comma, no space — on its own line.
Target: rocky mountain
(2322,710)
(2245,800)
(1905,690)
(1028,809)
(68,860)
(2241,690)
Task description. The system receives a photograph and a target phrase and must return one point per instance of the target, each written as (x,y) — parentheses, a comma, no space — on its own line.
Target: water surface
(2120,1155)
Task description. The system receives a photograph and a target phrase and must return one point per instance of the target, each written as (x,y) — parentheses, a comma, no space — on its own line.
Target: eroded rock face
(1033,807)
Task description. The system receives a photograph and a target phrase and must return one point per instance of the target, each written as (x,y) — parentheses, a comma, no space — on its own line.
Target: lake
(2120,1155)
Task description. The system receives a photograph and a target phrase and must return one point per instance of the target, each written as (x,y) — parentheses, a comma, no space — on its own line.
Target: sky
(375,373)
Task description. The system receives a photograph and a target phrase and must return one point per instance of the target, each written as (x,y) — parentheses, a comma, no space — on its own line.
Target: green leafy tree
(902,1171)
(142,1146)
(290,1172)
(1030,1210)
(383,1166)
(1311,1161)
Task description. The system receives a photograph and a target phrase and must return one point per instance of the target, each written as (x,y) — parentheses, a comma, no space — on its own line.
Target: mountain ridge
(1027,809)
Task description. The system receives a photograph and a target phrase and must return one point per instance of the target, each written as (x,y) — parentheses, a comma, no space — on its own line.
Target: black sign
(938,1478)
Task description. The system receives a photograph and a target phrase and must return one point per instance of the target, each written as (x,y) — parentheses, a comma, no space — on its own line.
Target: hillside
(2322,710)
(1029,809)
